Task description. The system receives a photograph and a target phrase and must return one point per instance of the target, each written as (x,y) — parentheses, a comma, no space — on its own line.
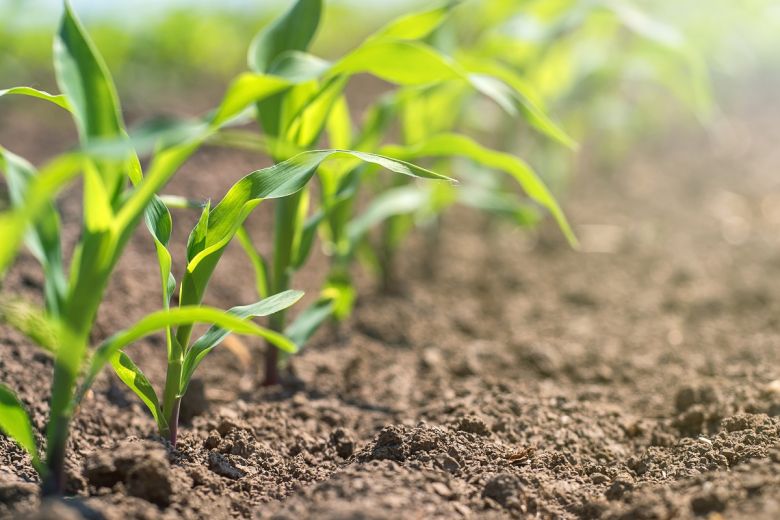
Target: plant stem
(54,479)
(271,376)
(67,366)
(171,397)
(286,229)
(173,423)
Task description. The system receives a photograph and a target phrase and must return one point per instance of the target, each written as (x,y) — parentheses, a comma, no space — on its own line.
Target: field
(500,372)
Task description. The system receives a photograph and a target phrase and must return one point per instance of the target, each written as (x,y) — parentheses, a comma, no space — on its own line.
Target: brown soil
(523,378)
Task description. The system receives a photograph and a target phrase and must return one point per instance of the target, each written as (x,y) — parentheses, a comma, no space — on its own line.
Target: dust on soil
(523,378)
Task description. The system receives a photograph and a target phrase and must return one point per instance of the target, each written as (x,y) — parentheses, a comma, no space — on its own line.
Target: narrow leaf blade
(135,379)
(15,422)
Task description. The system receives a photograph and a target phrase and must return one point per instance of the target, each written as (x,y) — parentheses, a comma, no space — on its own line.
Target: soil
(638,378)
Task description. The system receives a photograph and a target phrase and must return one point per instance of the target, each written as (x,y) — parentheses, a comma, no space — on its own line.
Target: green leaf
(280,180)
(339,124)
(415,26)
(179,202)
(395,201)
(243,92)
(160,224)
(58,99)
(98,214)
(293,31)
(401,62)
(259,264)
(307,322)
(522,95)
(197,239)
(37,201)
(30,320)
(43,238)
(414,63)
(299,67)
(342,292)
(306,241)
(160,320)
(305,127)
(214,336)
(15,423)
(84,79)
(500,203)
(135,379)
(455,145)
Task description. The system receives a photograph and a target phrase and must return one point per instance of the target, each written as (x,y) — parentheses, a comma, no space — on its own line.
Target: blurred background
(176,41)
(613,71)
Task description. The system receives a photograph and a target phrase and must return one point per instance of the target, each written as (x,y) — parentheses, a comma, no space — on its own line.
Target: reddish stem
(271,366)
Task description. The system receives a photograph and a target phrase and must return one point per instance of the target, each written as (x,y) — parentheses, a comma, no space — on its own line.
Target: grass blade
(215,335)
(58,99)
(291,32)
(415,26)
(43,238)
(307,322)
(280,180)
(15,422)
(135,379)
(30,320)
(84,79)
(455,145)
(169,318)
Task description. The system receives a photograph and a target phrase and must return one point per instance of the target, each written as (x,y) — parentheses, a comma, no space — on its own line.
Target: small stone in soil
(389,444)
(441,489)
(220,465)
(622,484)
(343,442)
(504,488)
(447,463)
(213,440)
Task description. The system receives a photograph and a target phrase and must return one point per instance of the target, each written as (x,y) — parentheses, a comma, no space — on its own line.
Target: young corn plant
(430,118)
(483,37)
(296,118)
(117,195)
(439,140)
(292,93)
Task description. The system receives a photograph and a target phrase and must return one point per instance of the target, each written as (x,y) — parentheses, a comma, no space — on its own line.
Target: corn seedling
(484,38)
(296,118)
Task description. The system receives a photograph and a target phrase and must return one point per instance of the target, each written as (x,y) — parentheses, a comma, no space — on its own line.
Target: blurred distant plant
(296,118)
(589,60)
(605,67)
